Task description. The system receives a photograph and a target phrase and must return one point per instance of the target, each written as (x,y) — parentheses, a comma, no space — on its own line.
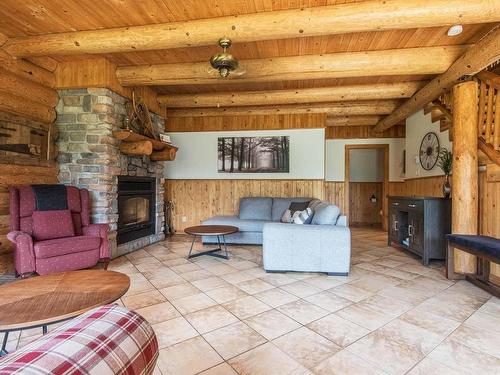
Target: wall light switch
(184,219)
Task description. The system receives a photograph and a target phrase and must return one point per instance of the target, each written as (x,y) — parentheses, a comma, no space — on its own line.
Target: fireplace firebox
(136,208)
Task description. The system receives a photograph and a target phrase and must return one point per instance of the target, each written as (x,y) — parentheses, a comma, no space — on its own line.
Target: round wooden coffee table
(211,230)
(43,300)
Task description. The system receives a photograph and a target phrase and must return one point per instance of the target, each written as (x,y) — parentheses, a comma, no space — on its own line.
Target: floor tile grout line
(429,274)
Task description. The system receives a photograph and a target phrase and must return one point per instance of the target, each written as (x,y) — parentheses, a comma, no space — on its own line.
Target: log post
(465,203)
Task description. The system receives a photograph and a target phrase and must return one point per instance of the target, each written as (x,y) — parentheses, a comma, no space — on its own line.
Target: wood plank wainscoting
(200,199)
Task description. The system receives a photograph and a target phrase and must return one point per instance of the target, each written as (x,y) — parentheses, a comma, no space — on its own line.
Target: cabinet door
(393,225)
(416,220)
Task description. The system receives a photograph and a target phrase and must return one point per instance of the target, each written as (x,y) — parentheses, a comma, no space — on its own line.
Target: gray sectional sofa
(289,247)
(253,214)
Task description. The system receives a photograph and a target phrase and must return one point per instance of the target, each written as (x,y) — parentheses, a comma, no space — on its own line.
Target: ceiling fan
(224,63)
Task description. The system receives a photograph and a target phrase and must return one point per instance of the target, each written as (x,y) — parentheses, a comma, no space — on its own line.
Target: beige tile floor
(391,315)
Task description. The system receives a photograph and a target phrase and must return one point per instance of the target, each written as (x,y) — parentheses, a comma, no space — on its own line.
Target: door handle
(412,205)
(410,227)
(395,204)
(395,227)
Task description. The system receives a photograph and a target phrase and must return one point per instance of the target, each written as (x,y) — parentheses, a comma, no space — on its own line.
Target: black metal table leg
(191,249)
(225,246)
(212,253)
(44,330)
(3,351)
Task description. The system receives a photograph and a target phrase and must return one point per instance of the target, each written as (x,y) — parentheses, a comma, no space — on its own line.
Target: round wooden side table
(221,231)
(43,300)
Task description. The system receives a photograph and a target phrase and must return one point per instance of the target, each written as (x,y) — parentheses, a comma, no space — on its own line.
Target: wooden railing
(488,131)
(489,109)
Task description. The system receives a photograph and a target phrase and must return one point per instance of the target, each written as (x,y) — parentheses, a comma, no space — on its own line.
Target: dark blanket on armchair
(50,197)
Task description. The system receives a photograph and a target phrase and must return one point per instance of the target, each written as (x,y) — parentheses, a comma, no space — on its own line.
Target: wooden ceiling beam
(352,120)
(27,70)
(407,61)
(293,23)
(337,109)
(484,53)
(3,39)
(399,90)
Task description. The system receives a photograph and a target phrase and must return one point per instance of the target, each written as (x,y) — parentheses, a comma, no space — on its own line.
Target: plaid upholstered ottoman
(106,340)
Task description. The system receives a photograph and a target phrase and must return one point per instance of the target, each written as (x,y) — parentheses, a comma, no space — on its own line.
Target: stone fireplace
(89,157)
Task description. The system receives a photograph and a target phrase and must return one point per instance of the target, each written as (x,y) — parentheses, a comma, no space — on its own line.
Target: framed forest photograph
(254,155)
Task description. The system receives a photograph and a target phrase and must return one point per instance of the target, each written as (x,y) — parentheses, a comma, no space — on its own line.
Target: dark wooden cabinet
(420,225)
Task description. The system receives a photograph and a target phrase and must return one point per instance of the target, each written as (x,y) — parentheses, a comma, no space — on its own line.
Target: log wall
(27,90)
(27,101)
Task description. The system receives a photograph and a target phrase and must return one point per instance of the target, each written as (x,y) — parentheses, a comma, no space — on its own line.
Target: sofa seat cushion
(67,245)
(243,225)
(255,208)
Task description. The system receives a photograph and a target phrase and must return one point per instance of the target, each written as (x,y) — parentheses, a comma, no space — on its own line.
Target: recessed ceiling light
(455,30)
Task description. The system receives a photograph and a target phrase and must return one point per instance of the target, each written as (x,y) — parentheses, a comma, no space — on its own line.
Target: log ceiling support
(27,70)
(484,53)
(3,39)
(294,23)
(336,109)
(465,203)
(407,61)
(300,96)
(352,120)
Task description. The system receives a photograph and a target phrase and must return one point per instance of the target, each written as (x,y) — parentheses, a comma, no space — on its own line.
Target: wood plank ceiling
(39,17)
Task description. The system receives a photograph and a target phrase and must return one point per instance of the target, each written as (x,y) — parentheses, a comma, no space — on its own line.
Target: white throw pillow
(300,217)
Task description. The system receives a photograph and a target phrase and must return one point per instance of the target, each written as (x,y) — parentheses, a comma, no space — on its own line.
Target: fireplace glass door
(135,210)
(136,205)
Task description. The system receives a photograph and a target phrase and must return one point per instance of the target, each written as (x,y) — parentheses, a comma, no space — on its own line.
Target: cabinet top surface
(418,198)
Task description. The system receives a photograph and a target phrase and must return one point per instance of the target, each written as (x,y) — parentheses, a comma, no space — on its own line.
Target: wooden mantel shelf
(137,144)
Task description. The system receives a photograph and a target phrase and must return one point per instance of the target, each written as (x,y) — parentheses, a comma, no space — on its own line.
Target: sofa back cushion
(255,208)
(280,205)
(48,225)
(325,214)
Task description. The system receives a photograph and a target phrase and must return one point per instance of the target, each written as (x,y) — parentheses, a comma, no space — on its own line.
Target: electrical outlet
(184,219)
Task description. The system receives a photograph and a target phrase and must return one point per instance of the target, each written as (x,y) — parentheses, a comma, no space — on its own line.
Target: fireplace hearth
(136,208)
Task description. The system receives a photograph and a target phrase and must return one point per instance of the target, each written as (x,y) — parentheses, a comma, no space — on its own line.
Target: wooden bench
(486,249)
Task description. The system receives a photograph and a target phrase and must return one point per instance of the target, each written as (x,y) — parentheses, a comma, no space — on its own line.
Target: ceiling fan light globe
(224,72)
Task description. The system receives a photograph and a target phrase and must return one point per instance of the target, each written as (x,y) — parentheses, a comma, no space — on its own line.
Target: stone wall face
(89,157)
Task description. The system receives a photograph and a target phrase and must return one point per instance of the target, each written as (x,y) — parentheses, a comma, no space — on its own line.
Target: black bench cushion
(489,246)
